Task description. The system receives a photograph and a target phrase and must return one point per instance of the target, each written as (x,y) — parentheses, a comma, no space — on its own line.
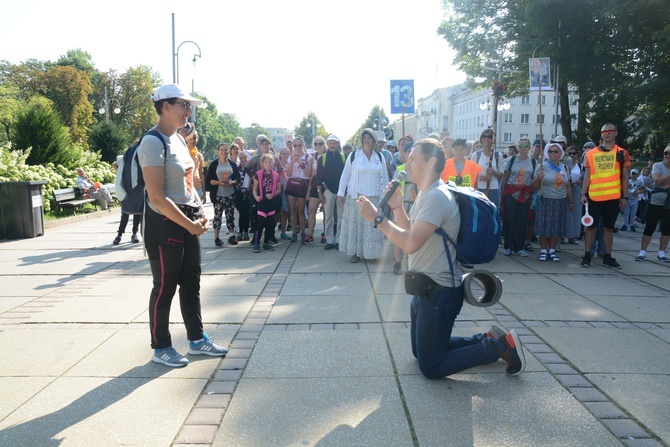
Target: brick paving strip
(619,422)
(202,424)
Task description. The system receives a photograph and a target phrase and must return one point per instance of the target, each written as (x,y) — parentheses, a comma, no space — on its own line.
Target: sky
(266,61)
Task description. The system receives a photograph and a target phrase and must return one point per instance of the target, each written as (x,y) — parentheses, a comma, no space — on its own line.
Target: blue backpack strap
(446,240)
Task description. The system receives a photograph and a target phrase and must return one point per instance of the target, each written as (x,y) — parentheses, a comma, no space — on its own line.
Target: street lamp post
(104,106)
(312,124)
(195,55)
(498,89)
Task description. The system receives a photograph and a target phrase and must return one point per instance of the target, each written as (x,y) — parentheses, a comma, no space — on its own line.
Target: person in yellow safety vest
(602,191)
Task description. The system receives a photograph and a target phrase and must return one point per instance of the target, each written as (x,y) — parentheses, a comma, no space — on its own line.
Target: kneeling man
(434,312)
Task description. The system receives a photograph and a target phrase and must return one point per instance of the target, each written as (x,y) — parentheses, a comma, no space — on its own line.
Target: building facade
(279,136)
(460,112)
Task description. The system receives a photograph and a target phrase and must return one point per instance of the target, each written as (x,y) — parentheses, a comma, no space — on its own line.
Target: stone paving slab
(653,309)
(127,353)
(644,396)
(11,302)
(92,309)
(316,260)
(334,411)
(83,411)
(238,284)
(223,265)
(558,307)
(660,281)
(136,286)
(301,353)
(57,351)
(532,284)
(33,285)
(339,284)
(18,390)
(663,334)
(469,410)
(609,285)
(216,309)
(630,351)
(290,309)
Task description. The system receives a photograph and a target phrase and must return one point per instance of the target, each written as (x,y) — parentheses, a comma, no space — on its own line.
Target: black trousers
(515,220)
(265,220)
(137,218)
(174,257)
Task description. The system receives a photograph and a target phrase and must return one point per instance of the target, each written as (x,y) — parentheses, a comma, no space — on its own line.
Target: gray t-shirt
(658,198)
(521,172)
(179,167)
(553,184)
(224,170)
(436,206)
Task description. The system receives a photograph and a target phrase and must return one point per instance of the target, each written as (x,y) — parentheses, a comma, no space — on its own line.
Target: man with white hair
(328,172)
(87,186)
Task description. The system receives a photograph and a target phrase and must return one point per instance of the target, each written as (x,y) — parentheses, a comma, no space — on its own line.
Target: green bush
(110,139)
(14,168)
(39,127)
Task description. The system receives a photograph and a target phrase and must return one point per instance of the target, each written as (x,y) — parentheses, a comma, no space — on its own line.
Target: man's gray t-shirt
(436,206)
(658,198)
(179,167)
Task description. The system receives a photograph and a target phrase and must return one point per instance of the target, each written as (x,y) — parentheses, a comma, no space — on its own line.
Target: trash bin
(22,209)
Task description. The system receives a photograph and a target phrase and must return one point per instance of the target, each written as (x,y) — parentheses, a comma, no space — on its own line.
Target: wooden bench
(72,198)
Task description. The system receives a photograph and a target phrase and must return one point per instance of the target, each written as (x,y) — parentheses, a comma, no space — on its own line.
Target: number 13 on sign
(402,96)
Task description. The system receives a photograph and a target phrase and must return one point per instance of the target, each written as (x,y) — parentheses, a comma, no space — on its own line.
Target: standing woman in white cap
(555,199)
(173,222)
(364,174)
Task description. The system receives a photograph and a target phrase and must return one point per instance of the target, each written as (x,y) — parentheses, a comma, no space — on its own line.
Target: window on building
(508,118)
(540,119)
(544,99)
(523,135)
(525,99)
(445,123)
(507,137)
(555,119)
(525,118)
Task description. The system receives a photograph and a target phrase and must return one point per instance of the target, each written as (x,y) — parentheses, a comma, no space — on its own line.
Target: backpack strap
(446,240)
(532,162)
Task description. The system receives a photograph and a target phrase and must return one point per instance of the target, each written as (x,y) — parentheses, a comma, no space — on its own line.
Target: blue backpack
(130,180)
(481,227)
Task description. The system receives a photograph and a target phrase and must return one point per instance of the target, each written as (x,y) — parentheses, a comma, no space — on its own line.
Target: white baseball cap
(168,91)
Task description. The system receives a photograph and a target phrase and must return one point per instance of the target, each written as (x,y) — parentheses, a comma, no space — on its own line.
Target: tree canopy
(614,52)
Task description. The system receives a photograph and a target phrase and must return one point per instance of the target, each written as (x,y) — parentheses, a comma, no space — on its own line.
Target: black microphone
(400,177)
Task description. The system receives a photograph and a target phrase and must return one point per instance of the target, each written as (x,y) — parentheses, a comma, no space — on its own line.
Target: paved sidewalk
(320,351)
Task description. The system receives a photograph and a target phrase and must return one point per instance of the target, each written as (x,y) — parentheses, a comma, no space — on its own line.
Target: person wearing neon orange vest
(459,169)
(602,190)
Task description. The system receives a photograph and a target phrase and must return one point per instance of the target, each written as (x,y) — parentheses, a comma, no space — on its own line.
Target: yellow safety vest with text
(604,174)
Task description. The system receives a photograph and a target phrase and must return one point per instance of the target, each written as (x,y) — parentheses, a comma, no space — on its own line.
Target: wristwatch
(379,219)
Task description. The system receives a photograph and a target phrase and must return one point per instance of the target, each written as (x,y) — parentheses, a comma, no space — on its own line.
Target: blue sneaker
(522,253)
(206,347)
(507,252)
(169,357)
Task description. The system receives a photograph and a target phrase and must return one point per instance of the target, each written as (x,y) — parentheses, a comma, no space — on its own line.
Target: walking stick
(488,183)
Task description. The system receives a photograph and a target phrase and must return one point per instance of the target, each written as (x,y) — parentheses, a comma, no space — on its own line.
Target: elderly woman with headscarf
(554,201)
(365,174)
